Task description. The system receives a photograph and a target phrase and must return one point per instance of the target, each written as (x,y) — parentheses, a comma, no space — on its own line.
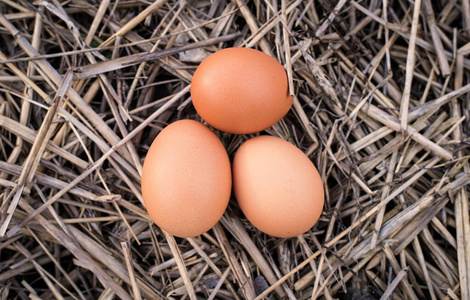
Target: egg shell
(277,186)
(186,179)
(240,90)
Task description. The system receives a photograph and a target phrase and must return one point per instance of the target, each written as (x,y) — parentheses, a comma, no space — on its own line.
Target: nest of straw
(381,108)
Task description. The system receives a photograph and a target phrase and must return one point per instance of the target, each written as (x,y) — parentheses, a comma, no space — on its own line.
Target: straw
(380,106)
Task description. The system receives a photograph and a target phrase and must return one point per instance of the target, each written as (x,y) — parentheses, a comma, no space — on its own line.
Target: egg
(186,179)
(277,186)
(240,90)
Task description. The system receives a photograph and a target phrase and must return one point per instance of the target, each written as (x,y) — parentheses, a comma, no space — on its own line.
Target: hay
(381,107)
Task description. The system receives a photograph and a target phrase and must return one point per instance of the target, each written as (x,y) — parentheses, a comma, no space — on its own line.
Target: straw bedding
(381,108)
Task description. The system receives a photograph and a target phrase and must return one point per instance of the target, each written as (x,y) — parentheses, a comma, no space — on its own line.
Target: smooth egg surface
(277,186)
(186,179)
(240,90)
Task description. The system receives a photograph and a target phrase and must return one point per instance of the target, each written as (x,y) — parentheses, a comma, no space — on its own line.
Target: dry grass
(381,107)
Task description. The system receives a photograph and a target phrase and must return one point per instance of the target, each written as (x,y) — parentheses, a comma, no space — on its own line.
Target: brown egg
(240,90)
(186,179)
(277,186)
